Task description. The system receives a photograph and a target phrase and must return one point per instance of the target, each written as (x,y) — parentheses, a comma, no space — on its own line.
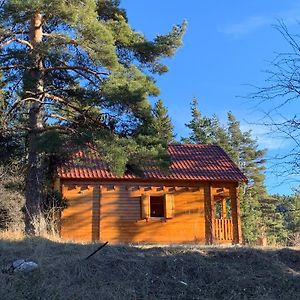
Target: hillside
(123,272)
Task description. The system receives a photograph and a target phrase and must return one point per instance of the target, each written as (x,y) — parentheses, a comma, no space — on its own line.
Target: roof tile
(189,162)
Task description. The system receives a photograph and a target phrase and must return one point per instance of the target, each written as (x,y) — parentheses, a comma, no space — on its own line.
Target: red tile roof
(189,162)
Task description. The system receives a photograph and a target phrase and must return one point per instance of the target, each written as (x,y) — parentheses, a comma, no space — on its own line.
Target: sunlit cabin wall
(112,211)
(80,220)
(121,221)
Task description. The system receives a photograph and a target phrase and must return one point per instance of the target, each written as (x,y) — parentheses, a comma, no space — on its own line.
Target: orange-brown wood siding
(80,220)
(111,211)
(120,220)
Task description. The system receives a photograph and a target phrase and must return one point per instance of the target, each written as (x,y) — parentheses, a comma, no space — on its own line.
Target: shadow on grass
(125,272)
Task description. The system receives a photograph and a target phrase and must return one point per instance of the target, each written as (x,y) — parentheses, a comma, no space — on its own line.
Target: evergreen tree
(76,71)
(289,207)
(273,221)
(163,128)
(199,126)
(244,151)
(235,137)
(219,135)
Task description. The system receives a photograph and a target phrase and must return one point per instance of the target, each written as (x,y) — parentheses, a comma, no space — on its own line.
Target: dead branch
(98,249)
(18,40)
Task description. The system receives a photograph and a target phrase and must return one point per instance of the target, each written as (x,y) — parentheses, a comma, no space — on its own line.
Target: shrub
(11,200)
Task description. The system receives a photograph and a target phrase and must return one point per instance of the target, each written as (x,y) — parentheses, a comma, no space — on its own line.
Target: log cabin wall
(115,211)
(112,211)
(80,220)
(121,220)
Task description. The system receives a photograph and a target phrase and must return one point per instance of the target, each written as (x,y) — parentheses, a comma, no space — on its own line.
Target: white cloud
(253,23)
(246,26)
(265,137)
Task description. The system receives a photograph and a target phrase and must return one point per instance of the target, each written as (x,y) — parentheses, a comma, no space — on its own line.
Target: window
(157,206)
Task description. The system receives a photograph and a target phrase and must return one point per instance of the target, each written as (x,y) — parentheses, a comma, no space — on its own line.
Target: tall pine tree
(199,126)
(76,70)
(244,151)
(162,124)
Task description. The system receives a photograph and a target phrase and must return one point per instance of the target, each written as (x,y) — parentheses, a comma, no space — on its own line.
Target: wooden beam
(209,208)
(235,213)
(224,209)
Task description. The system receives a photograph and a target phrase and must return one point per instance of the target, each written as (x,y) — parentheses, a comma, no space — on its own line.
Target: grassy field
(124,272)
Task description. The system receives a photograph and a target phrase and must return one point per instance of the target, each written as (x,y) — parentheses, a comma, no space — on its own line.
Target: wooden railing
(223,230)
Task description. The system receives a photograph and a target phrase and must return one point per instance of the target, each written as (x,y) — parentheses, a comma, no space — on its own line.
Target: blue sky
(226,48)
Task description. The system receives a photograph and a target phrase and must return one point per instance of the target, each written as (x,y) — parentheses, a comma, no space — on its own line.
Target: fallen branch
(102,246)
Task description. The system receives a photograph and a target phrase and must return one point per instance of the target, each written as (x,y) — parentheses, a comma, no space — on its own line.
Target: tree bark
(34,176)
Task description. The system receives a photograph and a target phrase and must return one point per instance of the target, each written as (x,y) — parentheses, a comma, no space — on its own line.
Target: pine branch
(62,101)
(13,67)
(82,112)
(81,68)
(62,37)
(59,117)
(17,103)
(18,40)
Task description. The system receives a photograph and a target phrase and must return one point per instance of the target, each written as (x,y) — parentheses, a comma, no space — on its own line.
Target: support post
(224,209)
(209,215)
(235,212)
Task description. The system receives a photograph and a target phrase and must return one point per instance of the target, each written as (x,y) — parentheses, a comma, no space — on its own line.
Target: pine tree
(199,126)
(273,221)
(163,128)
(235,137)
(219,134)
(76,71)
(289,208)
(244,151)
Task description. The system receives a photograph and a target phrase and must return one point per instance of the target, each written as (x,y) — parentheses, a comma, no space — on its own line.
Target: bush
(52,206)
(11,199)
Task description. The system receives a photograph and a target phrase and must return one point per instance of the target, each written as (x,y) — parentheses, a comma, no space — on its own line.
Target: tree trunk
(34,176)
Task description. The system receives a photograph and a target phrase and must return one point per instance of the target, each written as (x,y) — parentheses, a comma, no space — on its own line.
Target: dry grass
(124,272)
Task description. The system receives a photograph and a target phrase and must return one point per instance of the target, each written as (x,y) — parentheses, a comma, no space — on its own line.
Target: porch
(223,215)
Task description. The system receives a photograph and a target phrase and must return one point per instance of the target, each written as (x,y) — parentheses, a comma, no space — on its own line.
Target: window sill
(156,219)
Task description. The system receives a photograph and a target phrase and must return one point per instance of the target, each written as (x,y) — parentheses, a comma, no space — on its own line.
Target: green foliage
(162,126)
(273,221)
(96,73)
(201,131)
(289,208)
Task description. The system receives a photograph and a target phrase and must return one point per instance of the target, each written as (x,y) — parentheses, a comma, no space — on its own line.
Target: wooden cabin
(197,202)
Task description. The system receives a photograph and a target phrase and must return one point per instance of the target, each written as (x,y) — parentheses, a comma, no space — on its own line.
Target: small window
(157,206)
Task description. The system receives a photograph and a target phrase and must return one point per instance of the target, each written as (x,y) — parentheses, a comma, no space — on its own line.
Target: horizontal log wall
(112,211)
(120,216)
(80,220)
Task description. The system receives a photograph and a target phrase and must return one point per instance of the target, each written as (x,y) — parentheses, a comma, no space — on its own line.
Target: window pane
(157,206)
